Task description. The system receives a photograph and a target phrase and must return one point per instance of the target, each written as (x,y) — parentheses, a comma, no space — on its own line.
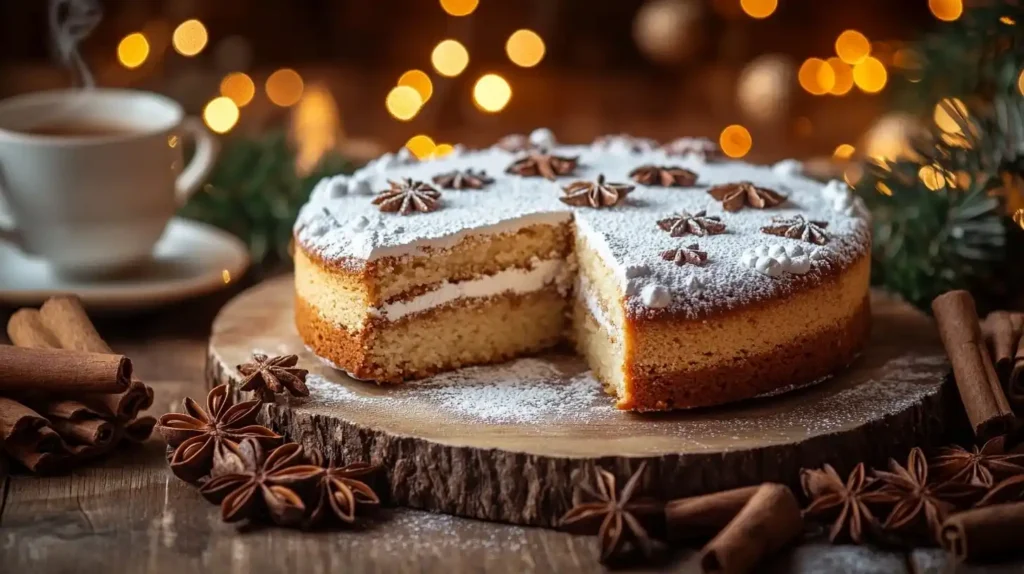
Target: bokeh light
(735,141)
(852,47)
(421,146)
(844,151)
(459,7)
(1020,82)
(932,177)
(816,76)
(221,114)
(239,87)
(284,87)
(443,149)
(946,10)
(759,8)
(843,77)
(525,48)
(133,50)
(870,75)
(403,102)
(491,93)
(449,58)
(419,81)
(189,38)
(945,121)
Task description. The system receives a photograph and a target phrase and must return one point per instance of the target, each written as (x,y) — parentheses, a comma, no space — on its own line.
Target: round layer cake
(684,279)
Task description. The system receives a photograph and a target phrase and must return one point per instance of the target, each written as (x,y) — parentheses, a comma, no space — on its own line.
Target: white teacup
(90,178)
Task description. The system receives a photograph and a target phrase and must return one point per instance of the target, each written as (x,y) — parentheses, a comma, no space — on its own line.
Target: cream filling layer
(515,280)
(585,292)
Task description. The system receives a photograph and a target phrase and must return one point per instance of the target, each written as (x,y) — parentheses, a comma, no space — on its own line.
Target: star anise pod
(198,433)
(697,147)
(664,175)
(979,467)
(616,517)
(920,506)
(539,163)
(340,491)
(736,196)
(847,504)
(407,196)
(1005,491)
(699,224)
(266,376)
(469,179)
(249,483)
(798,227)
(691,254)
(596,194)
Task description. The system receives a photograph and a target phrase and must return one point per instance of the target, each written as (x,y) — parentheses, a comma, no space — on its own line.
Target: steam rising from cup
(71,21)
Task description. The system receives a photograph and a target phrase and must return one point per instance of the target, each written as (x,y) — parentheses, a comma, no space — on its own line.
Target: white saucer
(190,259)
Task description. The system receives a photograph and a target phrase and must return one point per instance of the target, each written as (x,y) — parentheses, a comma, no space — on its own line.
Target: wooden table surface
(129,514)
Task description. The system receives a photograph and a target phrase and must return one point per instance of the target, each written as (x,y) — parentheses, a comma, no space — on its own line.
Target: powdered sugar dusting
(626,236)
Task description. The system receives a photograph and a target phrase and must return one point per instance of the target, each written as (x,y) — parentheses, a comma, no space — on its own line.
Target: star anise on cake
(596,194)
(698,147)
(736,196)
(663,175)
(798,227)
(341,492)
(266,376)
(980,467)
(468,179)
(407,196)
(542,163)
(699,224)
(250,483)
(198,433)
(617,517)
(918,505)
(689,255)
(848,504)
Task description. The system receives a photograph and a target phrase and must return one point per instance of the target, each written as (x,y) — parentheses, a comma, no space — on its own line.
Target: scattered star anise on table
(664,176)
(736,196)
(198,433)
(596,194)
(541,163)
(699,224)
(920,506)
(980,467)
(468,179)
(703,148)
(267,376)
(616,517)
(250,483)
(798,227)
(406,196)
(691,254)
(340,491)
(847,504)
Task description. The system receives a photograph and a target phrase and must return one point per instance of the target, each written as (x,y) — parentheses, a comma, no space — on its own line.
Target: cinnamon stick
(701,517)
(770,520)
(92,432)
(25,329)
(980,391)
(65,317)
(16,419)
(984,533)
(1003,333)
(61,371)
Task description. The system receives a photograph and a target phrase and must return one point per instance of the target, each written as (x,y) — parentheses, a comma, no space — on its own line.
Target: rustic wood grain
(445,460)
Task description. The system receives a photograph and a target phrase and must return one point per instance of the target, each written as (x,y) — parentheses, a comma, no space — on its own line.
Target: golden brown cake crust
(812,357)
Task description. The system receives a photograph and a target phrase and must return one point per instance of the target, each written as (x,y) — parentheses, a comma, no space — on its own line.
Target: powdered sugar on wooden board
(341,224)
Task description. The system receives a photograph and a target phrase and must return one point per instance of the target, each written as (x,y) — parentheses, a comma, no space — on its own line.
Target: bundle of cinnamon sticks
(65,396)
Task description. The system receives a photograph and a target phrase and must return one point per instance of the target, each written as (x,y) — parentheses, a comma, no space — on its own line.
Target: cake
(683,278)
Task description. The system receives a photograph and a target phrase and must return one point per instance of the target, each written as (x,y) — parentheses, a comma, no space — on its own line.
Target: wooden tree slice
(502,442)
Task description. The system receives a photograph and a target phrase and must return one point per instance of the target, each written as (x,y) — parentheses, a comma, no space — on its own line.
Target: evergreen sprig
(255,193)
